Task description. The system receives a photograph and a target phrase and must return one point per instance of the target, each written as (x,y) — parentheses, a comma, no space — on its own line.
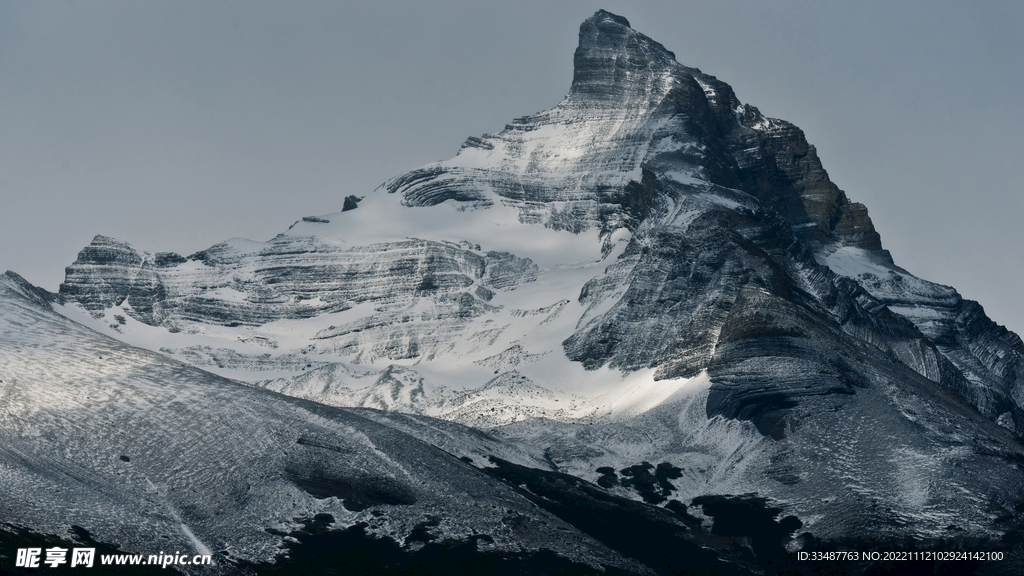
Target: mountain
(649,272)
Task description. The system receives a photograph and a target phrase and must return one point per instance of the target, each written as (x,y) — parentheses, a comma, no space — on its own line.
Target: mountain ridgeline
(649,271)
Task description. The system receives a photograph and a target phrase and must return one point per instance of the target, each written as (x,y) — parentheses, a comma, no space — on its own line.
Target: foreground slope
(153,456)
(649,271)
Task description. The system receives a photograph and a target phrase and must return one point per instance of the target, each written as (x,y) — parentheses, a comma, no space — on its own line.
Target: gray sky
(175,125)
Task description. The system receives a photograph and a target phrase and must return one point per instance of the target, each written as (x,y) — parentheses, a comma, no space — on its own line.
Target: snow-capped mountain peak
(651,269)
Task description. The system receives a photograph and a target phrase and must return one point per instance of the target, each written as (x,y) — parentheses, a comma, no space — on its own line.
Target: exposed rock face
(649,247)
(632,107)
(986,359)
(103,274)
(236,283)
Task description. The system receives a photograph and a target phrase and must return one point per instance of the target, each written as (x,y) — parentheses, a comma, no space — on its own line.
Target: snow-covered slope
(152,455)
(650,270)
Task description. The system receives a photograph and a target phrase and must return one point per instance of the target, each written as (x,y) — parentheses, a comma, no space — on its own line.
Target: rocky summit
(651,271)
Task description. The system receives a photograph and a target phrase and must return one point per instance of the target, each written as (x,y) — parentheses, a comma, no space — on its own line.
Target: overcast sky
(175,125)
